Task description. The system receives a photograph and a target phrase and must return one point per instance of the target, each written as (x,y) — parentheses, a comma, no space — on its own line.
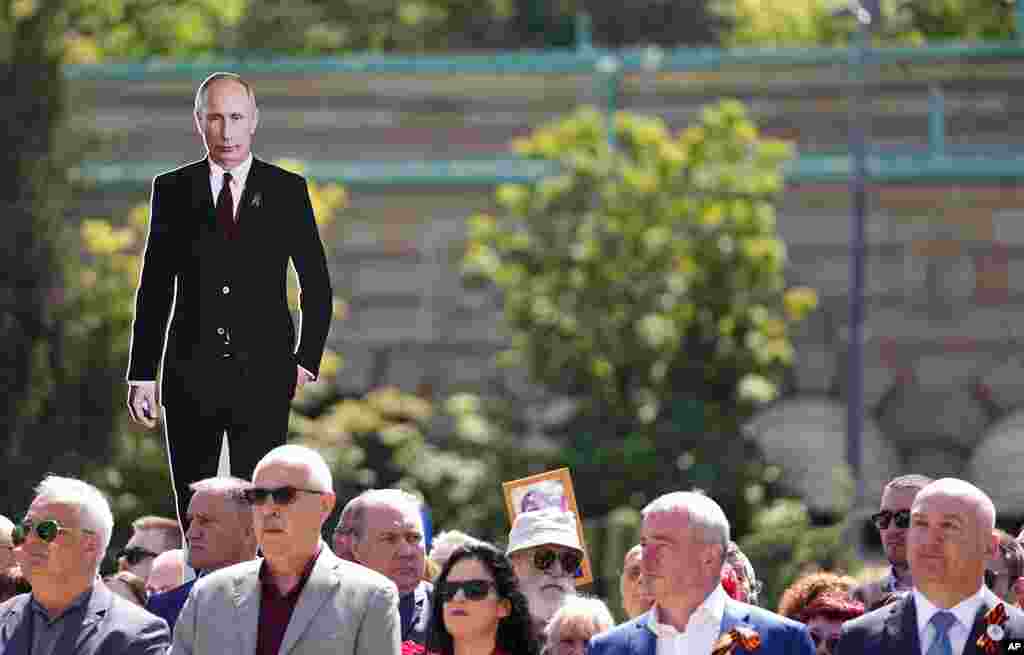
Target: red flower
(731,584)
(412,648)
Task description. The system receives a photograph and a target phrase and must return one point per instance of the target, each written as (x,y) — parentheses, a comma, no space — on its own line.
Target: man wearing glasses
(545,551)
(892,521)
(299,598)
(151,536)
(59,546)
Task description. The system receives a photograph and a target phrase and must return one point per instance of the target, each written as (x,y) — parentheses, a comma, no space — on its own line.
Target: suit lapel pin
(257,200)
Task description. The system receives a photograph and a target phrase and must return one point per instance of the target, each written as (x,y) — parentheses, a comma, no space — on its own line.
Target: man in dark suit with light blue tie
(684,536)
(950,611)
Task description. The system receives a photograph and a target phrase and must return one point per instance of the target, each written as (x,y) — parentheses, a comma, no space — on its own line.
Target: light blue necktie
(942,622)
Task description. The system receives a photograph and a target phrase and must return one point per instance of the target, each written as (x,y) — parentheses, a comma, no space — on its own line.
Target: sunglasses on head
(281,495)
(544,558)
(135,554)
(900,518)
(830,643)
(471,589)
(47,531)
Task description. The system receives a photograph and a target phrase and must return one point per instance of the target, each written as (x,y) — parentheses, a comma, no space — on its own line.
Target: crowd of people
(265,581)
(245,569)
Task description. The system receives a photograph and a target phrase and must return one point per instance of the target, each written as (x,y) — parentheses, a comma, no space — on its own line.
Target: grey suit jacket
(111,625)
(344,609)
(893,629)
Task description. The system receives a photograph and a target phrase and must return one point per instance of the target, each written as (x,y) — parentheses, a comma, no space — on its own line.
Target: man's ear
(91,543)
(992,547)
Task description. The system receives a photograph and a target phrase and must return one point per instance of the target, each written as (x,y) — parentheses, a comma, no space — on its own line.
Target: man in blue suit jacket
(949,609)
(684,537)
(220,533)
(59,546)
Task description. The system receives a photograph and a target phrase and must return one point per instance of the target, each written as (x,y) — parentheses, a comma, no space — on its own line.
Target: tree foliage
(645,283)
(46,416)
(790,23)
(785,544)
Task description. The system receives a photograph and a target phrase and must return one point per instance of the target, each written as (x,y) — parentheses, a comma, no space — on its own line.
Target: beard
(544,600)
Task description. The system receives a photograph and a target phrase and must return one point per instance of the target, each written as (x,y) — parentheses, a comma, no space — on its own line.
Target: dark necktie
(226,208)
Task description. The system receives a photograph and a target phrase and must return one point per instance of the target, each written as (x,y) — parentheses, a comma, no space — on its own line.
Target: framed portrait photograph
(551,489)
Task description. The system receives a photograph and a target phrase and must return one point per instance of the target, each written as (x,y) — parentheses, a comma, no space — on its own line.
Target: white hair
(592,612)
(446,542)
(986,509)
(319,473)
(395,498)
(89,502)
(6,526)
(706,518)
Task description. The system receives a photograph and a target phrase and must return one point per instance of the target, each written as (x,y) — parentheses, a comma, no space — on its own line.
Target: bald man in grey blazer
(300,598)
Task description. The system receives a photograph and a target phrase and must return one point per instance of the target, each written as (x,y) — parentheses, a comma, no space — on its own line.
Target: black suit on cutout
(229,352)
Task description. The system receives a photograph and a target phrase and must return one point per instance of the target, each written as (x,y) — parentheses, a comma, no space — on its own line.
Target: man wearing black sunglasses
(59,545)
(545,550)
(299,598)
(892,521)
(151,536)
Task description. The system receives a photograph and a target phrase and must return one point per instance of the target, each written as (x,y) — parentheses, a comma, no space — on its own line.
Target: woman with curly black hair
(478,608)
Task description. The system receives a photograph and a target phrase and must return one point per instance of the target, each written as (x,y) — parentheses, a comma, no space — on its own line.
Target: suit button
(225,290)
(220,330)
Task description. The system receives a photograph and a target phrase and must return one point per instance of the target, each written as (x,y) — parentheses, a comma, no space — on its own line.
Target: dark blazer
(779,635)
(237,287)
(167,605)
(893,629)
(418,625)
(111,626)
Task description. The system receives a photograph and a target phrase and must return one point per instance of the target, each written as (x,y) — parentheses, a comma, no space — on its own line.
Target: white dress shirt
(702,629)
(965,612)
(239,175)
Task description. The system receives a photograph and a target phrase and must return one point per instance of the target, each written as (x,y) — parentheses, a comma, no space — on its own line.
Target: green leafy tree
(45,421)
(644,282)
(785,544)
(792,23)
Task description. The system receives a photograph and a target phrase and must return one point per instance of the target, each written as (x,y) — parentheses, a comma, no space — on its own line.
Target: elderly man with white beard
(545,551)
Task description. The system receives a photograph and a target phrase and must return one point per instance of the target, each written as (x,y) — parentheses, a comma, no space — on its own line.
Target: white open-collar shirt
(702,628)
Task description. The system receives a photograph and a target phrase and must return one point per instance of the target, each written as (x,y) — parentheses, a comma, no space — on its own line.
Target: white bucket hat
(543,526)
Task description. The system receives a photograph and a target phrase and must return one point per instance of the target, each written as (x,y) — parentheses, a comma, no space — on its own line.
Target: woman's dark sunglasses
(471,589)
(47,531)
(135,554)
(830,643)
(900,518)
(280,495)
(545,557)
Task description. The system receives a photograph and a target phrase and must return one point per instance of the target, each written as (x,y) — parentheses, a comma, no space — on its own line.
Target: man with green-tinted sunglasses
(59,545)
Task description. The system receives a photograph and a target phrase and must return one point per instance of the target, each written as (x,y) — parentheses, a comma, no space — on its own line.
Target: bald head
(950,539)
(976,500)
